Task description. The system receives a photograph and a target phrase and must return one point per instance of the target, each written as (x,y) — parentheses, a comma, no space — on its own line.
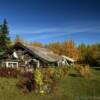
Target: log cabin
(28,56)
(24,55)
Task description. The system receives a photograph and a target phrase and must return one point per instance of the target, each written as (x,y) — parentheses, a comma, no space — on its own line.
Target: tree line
(84,54)
(89,54)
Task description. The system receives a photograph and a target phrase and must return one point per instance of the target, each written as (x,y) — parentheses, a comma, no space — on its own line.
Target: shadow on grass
(75,75)
(96,68)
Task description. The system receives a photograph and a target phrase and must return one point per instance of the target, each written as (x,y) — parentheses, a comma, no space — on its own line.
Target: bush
(26,81)
(49,73)
(49,81)
(60,72)
(42,80)
(38,77)
(28,75)
(8,72)
(26,84)
(31,81)
(83,70)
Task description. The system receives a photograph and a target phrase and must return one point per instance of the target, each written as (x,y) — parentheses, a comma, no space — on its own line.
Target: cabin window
(10,64)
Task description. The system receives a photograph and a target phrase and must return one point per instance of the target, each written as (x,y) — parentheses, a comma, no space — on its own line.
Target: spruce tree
(4,36)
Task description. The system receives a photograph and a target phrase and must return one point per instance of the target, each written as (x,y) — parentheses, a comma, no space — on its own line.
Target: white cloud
(49,36)
(58,30)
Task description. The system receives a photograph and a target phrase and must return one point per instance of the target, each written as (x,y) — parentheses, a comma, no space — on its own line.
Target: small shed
(64,60)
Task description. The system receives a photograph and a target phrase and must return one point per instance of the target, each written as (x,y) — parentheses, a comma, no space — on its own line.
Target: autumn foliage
(89,54)
(66,48)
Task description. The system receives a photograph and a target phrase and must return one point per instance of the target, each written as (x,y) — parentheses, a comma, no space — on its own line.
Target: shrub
(38,77)
(8,72)
(65,70)
(28,75)
(26,81)
(60,72)
(86,71)
(83,70)
(45,80)
(49,73)
(49,81)
(26,84)
(42,80)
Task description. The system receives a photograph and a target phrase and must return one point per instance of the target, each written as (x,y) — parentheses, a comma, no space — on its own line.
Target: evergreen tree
(4,36)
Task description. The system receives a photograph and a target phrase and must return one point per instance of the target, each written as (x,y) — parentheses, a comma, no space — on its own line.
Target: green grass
(69,88)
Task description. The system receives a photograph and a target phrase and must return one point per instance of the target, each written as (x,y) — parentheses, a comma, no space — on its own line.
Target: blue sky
(53,20)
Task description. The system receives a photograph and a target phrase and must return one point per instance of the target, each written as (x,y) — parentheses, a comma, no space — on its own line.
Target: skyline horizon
(54,35)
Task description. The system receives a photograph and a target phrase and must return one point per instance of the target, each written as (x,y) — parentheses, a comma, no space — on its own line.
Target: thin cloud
(67,30)
(48,36)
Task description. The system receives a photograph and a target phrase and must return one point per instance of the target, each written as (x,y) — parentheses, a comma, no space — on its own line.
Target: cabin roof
(67,58)
(44,53)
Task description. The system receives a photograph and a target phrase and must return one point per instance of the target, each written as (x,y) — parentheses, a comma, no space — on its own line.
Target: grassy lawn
(69,88)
